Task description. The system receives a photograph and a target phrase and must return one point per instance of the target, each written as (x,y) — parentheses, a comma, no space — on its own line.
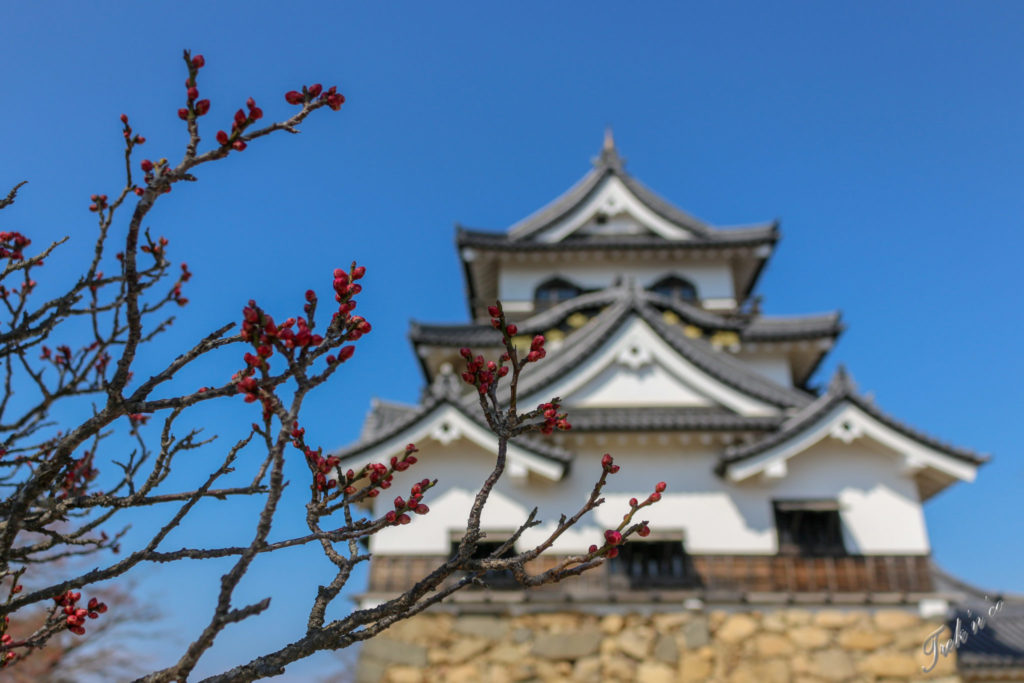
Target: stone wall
(783,645)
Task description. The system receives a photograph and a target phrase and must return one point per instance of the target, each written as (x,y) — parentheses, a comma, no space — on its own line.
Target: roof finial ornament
(609,154)
(609,140)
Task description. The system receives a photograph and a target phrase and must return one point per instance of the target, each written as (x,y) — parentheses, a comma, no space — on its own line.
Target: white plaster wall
(775,368)
(879,507)
(517,282)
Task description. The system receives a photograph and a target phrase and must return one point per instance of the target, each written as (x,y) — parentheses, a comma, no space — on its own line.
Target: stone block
(896,620)
(810,637)
(587,670)
(696,665)
(635,641)
(735,628)
(889,664)
(405,674)
(832,665)
(864,640)
(665,649)
(773,645)
(465,673)
(773,671)
(669,622)
(797,617)
(390,651)
(612,624)
(490,628)
(655,672)
(774,622)
(833,618)
(695,633)
(465,649)
(575,645)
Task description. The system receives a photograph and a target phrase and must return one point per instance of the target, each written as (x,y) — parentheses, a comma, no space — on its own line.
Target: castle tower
(786,508)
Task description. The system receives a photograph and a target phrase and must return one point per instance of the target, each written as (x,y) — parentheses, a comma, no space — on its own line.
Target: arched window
(675,288)
(555,291)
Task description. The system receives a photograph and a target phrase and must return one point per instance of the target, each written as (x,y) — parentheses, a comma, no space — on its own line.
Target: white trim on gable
(634,348)
(446,424)
(613,199)
(847,423)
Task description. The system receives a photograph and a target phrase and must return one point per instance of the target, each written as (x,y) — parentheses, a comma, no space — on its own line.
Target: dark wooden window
(675,287)
(554,291)
(809,527)
(655,564)
(498,580)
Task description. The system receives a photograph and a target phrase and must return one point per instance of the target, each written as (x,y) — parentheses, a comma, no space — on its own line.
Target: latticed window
(655,564)
(675,287)
(555,291)
(809,527)
(498,580)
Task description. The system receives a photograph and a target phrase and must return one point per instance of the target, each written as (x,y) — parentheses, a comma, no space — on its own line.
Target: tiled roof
(629,301)
(999,645)
(397,424)
(662,419)
(753,328)
(840,389)
(500,241)
(609,163)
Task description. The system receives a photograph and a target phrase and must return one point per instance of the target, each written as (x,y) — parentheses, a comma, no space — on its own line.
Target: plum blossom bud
(644,531)
(494,311)
(293,97)
(612,553)
(633,502)
(183,114)
(239,145)
(613,537)
(202,106)
(660,487)
(124,118)
(315,89)
(198,62)
(222,137)
(592,549)
(146,165)
(193,92)
(511,330)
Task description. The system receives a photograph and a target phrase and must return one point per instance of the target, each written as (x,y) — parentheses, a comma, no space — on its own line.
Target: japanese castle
(779,495)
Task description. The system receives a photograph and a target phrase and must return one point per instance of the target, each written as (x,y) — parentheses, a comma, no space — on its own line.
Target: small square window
(655,564)
(497,580)
(809,527)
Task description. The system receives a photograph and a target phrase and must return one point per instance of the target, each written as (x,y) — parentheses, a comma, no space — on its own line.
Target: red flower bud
(613,537)
(511,330)
(239,145)
(193,93)
(124,118)
(493,311)
(660,487)
(592,549)
(644,531)
(293,97)
(222,137)
(346,353)
(654,497)
(198,62)
(256,113)
(633,502)
(183,114)
(315,89)
(358,272)
(612,553)
(202,106)
(606,461)
(404,518)
(146,165)
(421,509)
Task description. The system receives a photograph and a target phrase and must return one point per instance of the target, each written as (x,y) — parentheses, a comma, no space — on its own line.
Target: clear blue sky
(887,137)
